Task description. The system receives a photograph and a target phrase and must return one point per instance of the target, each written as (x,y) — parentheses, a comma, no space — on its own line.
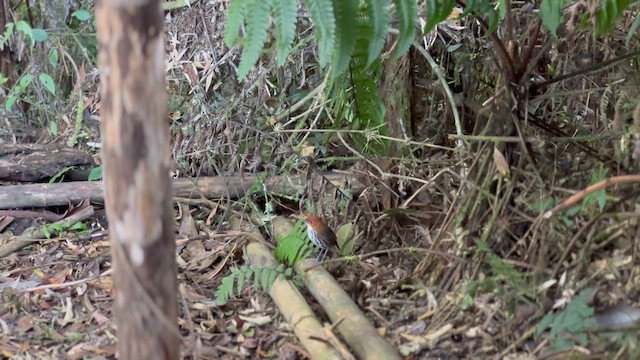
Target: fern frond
(257,25)
(262,278)
(321,12)
(379,20)
(406,10)
(437,12)
(294,247)
(235,18)
(285,15)
(346,30)
(369,107)
(225,290)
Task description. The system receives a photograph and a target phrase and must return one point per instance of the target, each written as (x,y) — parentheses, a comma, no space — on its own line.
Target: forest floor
(455,253)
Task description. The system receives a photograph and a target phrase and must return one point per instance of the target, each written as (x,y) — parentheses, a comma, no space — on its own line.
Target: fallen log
(233,187)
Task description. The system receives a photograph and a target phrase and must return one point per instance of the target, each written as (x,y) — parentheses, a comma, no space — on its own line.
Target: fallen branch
(574,199)
(22,241)
(233,187)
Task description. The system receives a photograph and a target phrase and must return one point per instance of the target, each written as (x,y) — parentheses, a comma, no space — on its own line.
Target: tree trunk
(135,156)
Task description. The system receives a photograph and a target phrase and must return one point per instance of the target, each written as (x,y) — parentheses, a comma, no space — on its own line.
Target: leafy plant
(95,173)
(262,278)
(33,36)
(296,246)
(599,197)
(59,174)
(60,227)
(570,326)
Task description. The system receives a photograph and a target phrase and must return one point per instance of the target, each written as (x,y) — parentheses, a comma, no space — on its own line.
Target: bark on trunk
(135,156)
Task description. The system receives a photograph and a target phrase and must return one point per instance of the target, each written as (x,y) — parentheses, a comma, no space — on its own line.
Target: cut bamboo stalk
(291,303)
(351,322)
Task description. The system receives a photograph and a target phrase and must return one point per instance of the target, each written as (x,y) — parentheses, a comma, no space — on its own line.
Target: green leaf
(25,81)
(235,18)
(610,11)
(379,20)
(25,28)
(11,99)
(407,13)
(47,81)
(346,34)
(95,174)
(40,35)
(46,232)
(285,15)
(551,14)
(53,128)
(346,239)
(53,57)
(257,26)
(437,12)
(323,19)
(59,174)
(368,105)
(240,281)
(8,32)
(264,278)
(81,14)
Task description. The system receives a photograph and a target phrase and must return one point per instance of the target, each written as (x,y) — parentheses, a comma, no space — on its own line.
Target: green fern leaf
(225,290)
(321,12)
(295,246)
(235,18)
(369,106)
(285,16)
(407,10)
(379,20)
(437,12)
(270,280)
(257,26)
(264,278)
(346,30)
(240,280)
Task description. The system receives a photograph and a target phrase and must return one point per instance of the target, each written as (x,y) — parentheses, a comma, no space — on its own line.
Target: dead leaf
(501,163)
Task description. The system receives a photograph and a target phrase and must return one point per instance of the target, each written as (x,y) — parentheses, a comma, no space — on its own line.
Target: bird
(320,234)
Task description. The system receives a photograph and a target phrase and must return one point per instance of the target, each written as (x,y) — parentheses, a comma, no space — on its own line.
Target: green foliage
(57,228)
(599,197)
(59,174)
(379,20)
(257,26)
(369,107)
(437,12)
(551,14)
(609,12)
(407,15)
(345,236)
(32,36)
(284,16)
(262,278)
(485,8)
(346,11)
(235,19)
(321,12)
(570,326)
(95,174)
(335,28)
(295,247)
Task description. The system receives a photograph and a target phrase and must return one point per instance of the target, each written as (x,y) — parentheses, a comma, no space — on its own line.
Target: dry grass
(458,261)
